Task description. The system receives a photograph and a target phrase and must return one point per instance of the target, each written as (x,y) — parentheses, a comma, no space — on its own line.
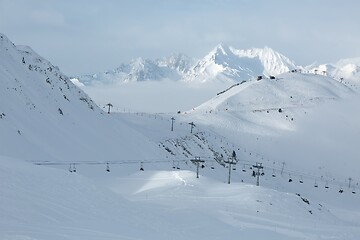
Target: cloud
(47,17)
(91,36)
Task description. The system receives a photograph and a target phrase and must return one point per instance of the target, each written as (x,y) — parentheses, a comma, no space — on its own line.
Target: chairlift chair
(107,167)
(301,180)
(244,170)
(273,173)
(315,184)
(141,167)
(70,168)
(74,168)
(290,179)
(326,185)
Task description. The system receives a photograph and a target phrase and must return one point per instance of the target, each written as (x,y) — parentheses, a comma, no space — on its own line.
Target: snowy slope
(109,198)
(168,205)
(50,118)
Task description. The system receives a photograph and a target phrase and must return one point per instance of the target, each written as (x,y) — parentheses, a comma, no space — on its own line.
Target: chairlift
(74,168)
(273,173)
(178,166)
(244,170)
(262,173)
(353,191)
(326,185)
(290,179)
(212,166)
(173,165)
(107,167)
(315,184)
(341,190)
(141,167)
(234,168)
(301,180)
(70,168)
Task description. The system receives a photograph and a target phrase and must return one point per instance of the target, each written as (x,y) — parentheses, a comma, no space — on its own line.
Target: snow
(345,70)
(313,138)
(223,63)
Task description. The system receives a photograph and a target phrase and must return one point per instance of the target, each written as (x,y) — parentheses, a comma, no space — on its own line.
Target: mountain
(141,70)
(223,63)
(344,70)
(71,171)
(227,63)
(49,117)
(256,102)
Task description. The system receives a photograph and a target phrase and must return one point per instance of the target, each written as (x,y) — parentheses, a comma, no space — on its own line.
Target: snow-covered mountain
(223,63)
(48,116)
(71,171)
(229,64)
(344,70)
(140,70)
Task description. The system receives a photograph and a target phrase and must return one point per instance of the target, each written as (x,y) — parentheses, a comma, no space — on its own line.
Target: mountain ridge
(223,63)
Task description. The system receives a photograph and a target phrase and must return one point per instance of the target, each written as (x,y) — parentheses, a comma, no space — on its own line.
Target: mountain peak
(221,48)
(222,63)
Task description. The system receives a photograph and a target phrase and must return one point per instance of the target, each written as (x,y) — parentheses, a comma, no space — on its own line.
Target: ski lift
(178,166)
(244,170)
(326,185)
(234,168)
(141,167)
(70,168)
(74,168)
(202,166)
(301,180)
(273,173)
(290,179)
(262,173)
(315,184)
(353,191)
(173,164)
(107,167)
(212,166)
(341,190)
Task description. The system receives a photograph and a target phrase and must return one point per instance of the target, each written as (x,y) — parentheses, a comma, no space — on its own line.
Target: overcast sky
(88,36)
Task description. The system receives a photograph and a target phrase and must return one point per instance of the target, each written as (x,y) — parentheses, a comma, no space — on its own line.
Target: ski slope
(81,173)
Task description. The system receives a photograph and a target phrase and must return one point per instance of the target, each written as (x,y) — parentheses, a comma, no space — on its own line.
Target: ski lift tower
(258,166)
(110,106)
(197,162)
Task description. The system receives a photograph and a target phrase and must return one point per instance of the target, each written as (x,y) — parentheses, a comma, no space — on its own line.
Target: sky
(88,36)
